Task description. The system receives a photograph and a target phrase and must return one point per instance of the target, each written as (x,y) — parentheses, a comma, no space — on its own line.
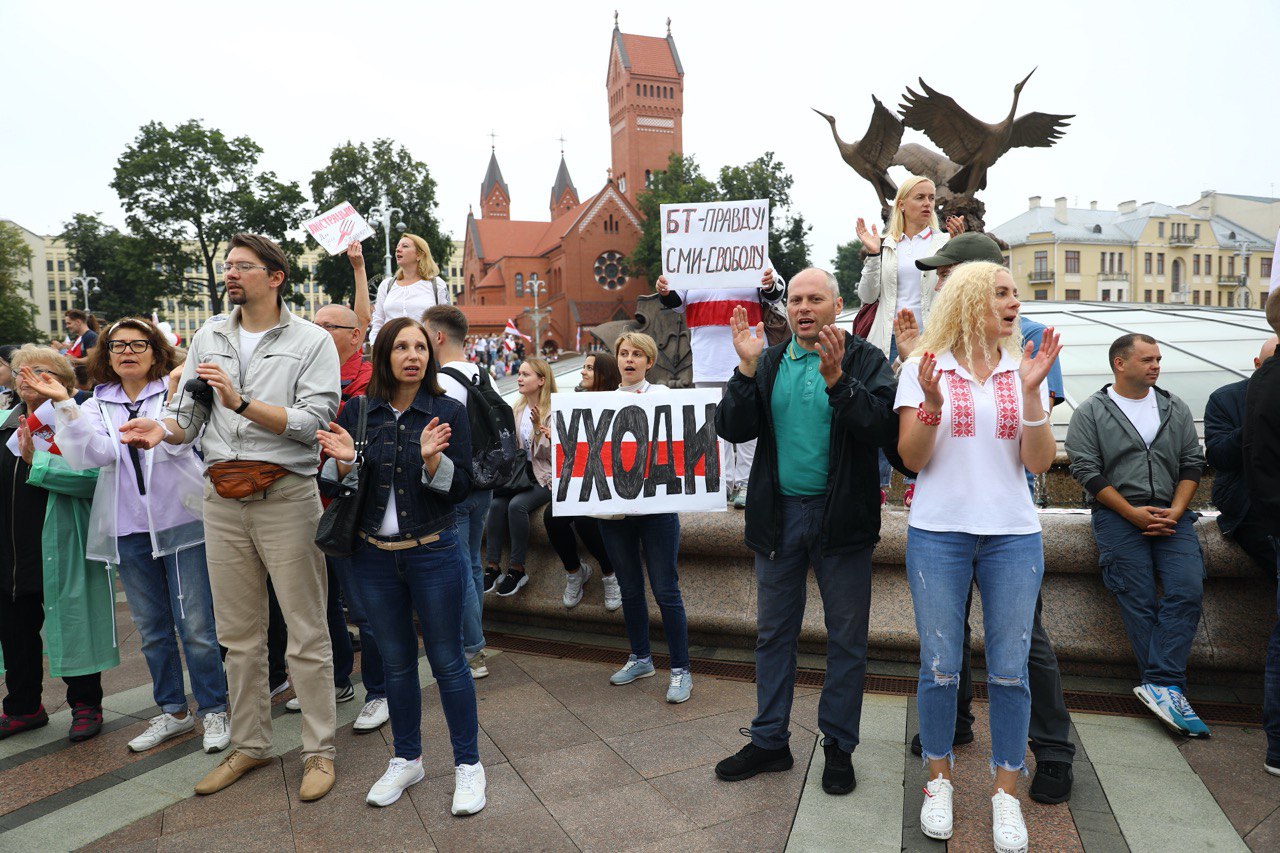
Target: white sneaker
(1007,827)
(401,773)
(162,728)
(468,788)
(217,732)
(573,584)
(372,716)
(935,813)
(612,592)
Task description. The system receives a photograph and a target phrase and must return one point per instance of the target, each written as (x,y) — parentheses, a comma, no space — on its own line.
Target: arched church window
(648,179)
(519,284)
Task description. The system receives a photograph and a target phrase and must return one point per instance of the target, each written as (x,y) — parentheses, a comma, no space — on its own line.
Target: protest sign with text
(713,245)
(337,227)
(636,454)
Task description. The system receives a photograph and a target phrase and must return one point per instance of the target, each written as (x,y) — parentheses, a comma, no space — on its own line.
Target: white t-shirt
(409,300)
(974,482)
(910,250)
(524,428)
(1144,414)
(452,387)
(248,343)
(391,518)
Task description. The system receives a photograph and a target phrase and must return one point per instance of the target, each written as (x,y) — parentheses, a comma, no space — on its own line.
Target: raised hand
(745,344)
(830,353)
(766,280)
(535,417)
(337,443)
(1033,371)
(955,225)
(930,383)
(906,333)
(870,239)
(435,439)
(26,444)
(355,254)
(663,286)
(45,384)
(142,433)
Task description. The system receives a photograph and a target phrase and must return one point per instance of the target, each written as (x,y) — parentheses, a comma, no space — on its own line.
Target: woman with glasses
(147,520)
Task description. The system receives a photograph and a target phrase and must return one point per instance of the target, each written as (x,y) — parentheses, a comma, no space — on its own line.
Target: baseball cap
(962,248)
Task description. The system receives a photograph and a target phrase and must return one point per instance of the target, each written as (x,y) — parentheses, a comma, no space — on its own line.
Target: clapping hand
(26,444)
(870,239)
(535,417)
(435,440)
(142,433)
(1033,371)
(830,353)
(930,383)
(748,346)
(337,444)
(45,384)
(905,333)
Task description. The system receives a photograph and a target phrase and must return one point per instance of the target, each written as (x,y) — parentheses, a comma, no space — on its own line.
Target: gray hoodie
(1106,450)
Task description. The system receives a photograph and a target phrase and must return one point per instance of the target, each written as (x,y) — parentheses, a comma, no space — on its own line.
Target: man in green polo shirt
(821,405)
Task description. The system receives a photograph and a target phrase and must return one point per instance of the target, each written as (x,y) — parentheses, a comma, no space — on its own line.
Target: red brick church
(578,255)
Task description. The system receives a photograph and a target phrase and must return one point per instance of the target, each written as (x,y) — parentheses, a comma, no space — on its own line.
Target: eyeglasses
(243,267)
(131,346)
(329,327)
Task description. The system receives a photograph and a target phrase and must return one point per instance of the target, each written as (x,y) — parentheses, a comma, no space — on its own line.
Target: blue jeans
(470,516)
(426,580)
(169,591)
(941,567)
(886,470)
(343,655)
(659,536)
(1160,630)
(1271,683)
(781,587)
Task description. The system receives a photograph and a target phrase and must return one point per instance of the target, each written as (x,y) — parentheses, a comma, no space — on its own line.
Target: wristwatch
(244,404)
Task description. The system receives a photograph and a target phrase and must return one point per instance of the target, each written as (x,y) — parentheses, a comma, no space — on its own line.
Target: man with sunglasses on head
(274,381)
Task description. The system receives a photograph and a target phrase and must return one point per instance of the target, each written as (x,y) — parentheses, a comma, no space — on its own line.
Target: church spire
(495,198)
(564,195)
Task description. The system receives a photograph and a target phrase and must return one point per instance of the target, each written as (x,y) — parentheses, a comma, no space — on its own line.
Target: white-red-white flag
(512,330)
(41,426)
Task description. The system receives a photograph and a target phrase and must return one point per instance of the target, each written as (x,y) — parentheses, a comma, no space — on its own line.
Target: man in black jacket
(821,405)
(1262,476)
(1224,448)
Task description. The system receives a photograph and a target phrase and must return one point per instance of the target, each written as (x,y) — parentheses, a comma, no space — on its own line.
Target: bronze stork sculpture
(872,155)
(974,144)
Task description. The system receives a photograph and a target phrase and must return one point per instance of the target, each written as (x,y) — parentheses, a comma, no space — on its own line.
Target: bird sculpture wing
(926,163)
(945,122)
(1037,130)
(883,136)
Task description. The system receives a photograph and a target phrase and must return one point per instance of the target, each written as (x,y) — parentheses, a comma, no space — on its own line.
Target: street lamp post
(535,313)
(381,214)
(87,284)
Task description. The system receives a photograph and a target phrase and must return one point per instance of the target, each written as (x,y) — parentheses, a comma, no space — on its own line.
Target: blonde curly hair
(960,312)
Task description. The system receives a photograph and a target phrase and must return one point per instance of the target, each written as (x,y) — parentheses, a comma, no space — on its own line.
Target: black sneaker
(960,739)
(1052,782)
(751,760)
(491,576)
(344,694)
(511,582)
(837,775)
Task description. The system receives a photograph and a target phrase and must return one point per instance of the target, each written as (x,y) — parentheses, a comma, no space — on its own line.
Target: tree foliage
(17,314)
(683,182)
(360,174)
(848,268)
(135,274)
(195,183)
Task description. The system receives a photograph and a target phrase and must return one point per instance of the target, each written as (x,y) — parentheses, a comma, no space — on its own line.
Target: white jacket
(879,282)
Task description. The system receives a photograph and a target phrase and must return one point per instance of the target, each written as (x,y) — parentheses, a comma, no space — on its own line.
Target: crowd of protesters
(199,485)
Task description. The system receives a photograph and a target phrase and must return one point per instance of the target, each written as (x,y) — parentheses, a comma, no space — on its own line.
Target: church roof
(493,175)
(648,55)
(563,182)
(505,238)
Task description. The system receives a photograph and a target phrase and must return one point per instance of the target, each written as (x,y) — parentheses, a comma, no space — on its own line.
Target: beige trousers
(271,533)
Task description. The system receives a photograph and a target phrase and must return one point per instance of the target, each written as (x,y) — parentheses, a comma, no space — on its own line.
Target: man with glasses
(274,379)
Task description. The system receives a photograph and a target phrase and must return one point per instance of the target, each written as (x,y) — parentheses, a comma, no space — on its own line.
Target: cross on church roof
(493,145)
(562,141)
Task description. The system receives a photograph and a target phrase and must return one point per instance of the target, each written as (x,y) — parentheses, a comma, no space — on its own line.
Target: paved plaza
(575,764)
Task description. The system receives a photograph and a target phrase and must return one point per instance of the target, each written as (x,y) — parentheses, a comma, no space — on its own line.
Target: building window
(1159,263)
(1264,268)
(1146,264)
(609,271)
(1073,262)
(1102,262)
(1195,265)
(1042,295)
(1106,295)
(48,265)
(1247,258)
(1041,263)
(62,266)
(1159,229)
(1195,232)
(1159,296)
(1120,262)
(53,305)
(1146,296)
(1073,296)
(519,284)
(1231,299)
(1231,267)
(1208,264)
(1195,297)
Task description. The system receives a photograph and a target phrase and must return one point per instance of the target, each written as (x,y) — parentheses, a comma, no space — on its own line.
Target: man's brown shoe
(232,768)
(317,778)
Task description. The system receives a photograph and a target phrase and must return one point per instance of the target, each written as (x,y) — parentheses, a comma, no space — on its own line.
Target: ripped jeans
(940,568)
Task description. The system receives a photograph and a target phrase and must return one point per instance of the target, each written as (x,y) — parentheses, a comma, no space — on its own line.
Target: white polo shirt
(974,482)
(908,251)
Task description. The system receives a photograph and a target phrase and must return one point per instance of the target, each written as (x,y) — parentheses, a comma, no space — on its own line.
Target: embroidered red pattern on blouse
(960,397)
(1006,406)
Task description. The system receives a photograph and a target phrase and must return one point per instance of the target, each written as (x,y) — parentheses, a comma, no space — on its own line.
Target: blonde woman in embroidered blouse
(973,412)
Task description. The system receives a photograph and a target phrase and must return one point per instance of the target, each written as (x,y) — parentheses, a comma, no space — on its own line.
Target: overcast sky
(1170,98)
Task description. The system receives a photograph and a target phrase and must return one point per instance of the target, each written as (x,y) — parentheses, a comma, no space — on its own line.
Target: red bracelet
(928,418)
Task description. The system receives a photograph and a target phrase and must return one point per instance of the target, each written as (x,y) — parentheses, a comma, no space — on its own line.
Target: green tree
(17,314)
(194,183)
(789,246)
(848,263)
(135,274)
(682,182)
(360,174)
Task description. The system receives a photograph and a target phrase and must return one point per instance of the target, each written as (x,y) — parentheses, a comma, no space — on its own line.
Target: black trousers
(1050,731)
(560,530)
(277,639)
(1252,537)
(21,619)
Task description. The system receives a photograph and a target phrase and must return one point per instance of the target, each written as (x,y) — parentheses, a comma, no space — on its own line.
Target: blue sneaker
(1183,715)
(1157,701)
(632,670)
(681,686)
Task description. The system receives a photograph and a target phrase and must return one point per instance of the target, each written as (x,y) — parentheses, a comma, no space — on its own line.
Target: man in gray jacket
(274,381)
(1133,447)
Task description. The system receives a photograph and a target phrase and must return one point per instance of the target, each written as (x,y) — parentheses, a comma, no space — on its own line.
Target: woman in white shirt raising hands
(416,287)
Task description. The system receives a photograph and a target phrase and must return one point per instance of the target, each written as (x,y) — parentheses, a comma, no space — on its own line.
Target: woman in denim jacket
(418,455)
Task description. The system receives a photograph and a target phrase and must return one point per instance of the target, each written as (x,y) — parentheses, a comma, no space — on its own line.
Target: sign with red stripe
(636,454)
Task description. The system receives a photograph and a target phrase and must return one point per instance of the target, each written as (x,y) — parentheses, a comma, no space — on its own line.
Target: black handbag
(336,532)
(521,481)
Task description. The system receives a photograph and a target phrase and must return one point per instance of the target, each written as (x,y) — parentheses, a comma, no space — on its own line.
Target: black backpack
(496,455)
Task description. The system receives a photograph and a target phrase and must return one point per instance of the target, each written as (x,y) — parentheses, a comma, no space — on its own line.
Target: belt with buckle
(397,544)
